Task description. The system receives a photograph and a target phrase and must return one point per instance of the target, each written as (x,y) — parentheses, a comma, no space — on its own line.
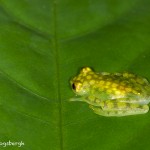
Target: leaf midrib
(56,57)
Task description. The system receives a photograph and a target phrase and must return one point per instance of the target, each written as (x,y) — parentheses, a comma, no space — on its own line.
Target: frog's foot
(121,109)
(98,110)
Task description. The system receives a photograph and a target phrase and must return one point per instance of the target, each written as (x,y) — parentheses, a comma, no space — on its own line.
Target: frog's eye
(76,86)
(73,86)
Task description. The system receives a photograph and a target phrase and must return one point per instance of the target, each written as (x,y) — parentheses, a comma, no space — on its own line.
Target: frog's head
(80,83)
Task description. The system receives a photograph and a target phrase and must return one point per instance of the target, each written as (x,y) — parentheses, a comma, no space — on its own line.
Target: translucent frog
(112,94)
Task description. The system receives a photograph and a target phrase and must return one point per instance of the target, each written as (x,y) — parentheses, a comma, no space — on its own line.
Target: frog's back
(106,85)
(120,85)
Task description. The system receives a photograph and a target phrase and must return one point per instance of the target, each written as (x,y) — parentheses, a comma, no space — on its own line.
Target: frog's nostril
(73,86)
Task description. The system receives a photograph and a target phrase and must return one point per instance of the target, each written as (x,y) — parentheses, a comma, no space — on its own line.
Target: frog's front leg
(115,108)
(76,98)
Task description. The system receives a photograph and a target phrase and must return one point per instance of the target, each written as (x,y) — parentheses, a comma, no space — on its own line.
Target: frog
(112,94)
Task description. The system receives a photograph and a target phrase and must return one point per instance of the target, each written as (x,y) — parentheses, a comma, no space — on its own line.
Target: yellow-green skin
(112,94)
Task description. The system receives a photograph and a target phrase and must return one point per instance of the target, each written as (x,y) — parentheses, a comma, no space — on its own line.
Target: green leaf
(43,43)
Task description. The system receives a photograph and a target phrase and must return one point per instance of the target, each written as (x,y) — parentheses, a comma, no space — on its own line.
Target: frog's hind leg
(115,108)
(133,109)
(100,111)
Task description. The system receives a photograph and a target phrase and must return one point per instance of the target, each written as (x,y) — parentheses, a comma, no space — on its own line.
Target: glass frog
(112,94)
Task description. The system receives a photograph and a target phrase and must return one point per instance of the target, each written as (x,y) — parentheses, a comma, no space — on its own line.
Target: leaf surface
(45,43)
